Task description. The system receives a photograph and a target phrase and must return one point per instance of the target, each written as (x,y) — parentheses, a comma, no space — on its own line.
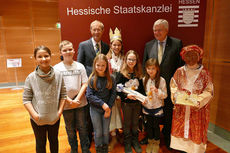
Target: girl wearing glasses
(130,77)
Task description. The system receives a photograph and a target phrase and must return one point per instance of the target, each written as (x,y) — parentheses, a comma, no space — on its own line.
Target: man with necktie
(167,50)
(88,49)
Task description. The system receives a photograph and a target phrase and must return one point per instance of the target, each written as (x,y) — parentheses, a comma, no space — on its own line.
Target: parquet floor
(16,135)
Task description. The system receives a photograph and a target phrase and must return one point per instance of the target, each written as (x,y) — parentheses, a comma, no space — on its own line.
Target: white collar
(94,43)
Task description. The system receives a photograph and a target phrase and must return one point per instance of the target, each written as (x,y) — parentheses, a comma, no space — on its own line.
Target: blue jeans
(100,126)
(75,120)
(41,133)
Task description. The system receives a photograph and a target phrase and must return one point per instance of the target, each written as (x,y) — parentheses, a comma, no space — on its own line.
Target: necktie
(160,52)
(97,48)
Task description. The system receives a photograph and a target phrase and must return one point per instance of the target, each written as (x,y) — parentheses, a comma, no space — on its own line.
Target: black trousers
(89,124)
(153,127)
(131,113)
(167,121)
(41,133)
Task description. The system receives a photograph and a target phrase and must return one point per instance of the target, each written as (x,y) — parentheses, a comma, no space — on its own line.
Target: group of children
(50,91)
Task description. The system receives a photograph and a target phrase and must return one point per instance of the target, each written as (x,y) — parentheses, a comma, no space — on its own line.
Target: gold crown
(114,36)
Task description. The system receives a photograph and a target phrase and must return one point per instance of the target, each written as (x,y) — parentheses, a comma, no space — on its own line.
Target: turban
(194,48)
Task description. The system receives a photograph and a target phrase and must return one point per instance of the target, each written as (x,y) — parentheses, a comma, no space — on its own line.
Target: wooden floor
(16,135)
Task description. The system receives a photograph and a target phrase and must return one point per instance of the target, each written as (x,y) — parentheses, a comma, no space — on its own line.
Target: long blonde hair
(95,74)
(137,67)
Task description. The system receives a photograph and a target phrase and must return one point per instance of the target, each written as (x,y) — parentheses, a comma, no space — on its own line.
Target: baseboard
(11,85)
(219,137)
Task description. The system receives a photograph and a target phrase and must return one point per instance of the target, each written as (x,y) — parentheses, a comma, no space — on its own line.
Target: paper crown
(114,36)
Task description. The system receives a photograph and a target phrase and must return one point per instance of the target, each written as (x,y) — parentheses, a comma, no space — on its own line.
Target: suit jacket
(171,59)
(86,54)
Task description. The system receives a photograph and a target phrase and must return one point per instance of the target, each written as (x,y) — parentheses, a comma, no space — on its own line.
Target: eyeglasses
(131,60)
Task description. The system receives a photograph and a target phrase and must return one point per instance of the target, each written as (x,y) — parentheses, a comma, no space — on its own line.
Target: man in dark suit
(88,49)
(167,50)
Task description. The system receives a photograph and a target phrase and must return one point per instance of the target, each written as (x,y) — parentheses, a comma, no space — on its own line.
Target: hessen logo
(188,16)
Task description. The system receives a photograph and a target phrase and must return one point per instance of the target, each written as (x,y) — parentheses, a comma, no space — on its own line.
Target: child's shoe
(99,149)
(104,148)
(156,146)
(128,148)
(136,146)
(149,147)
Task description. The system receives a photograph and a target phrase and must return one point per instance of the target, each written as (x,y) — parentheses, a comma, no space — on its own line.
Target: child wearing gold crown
(191,92)
(115,57)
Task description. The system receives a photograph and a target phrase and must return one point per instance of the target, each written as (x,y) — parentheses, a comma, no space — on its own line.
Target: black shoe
(169,149)
(144,141)
(98,149)
(136,146)
(104,148)
(120,137)
(128,148)
(167,142)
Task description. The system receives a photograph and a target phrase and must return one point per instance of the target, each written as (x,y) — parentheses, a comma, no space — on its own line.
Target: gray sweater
(44,91)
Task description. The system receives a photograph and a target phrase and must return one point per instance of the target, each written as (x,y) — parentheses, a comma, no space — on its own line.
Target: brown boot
(156,146)
(149,146)
(112,143)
